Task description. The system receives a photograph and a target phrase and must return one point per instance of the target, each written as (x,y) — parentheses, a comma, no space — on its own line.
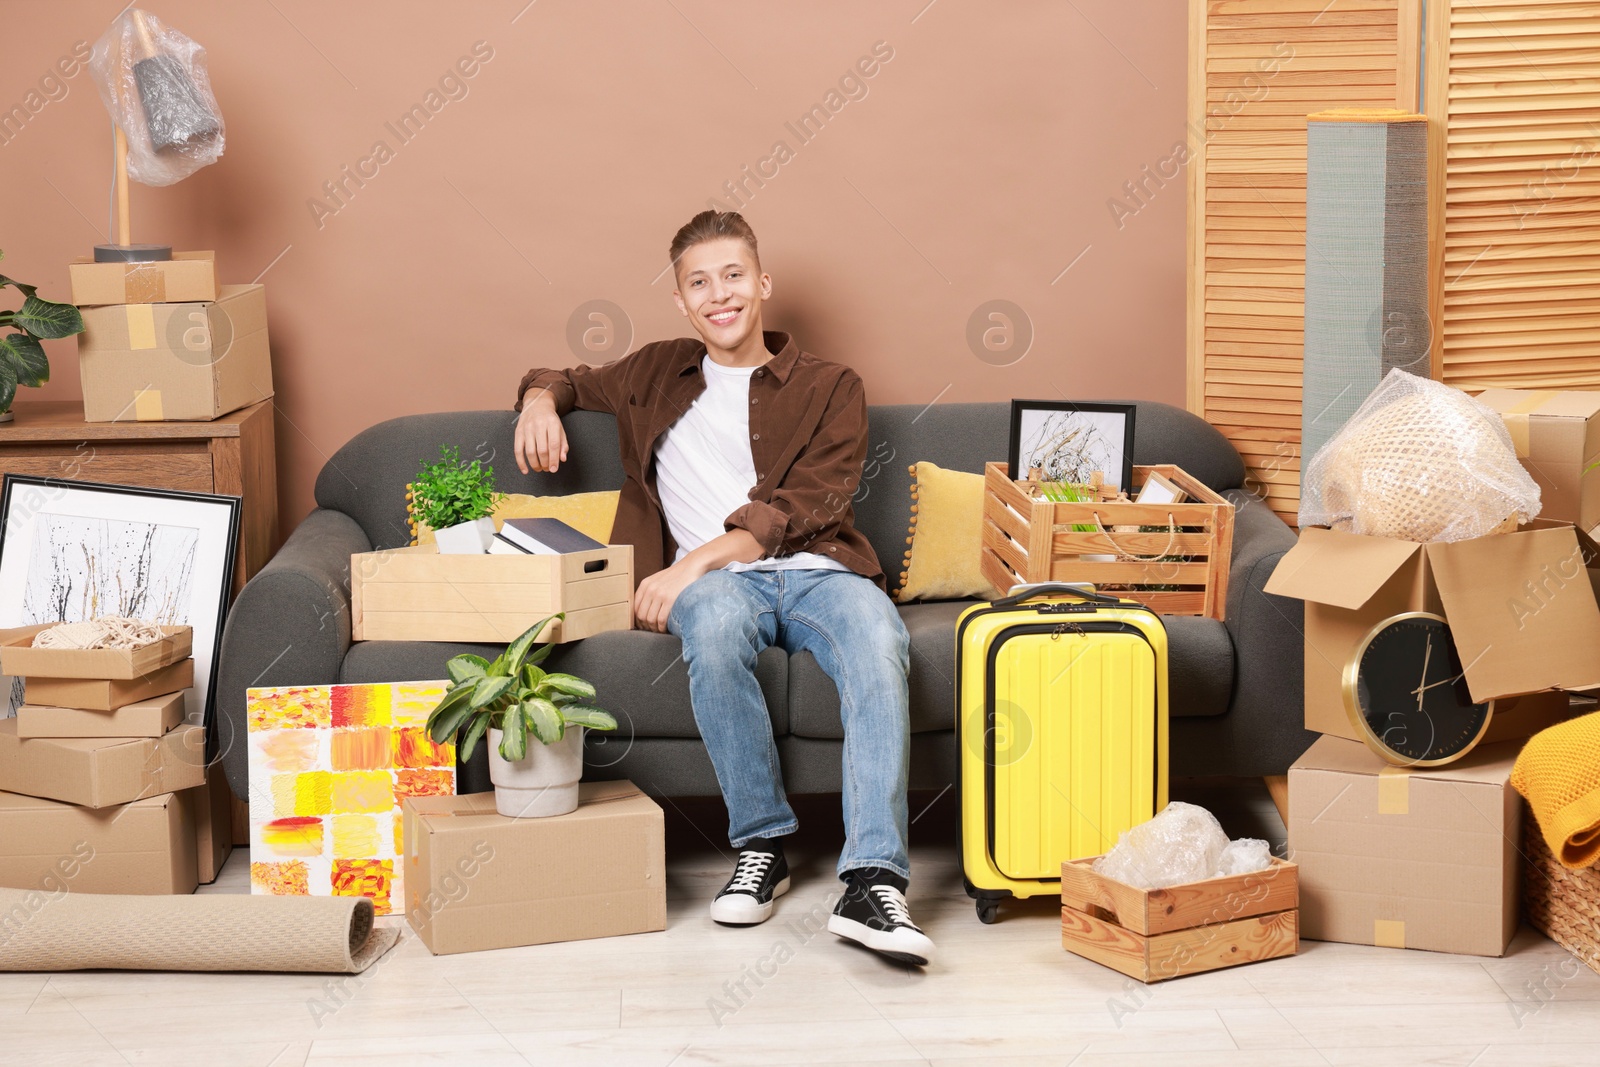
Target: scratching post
(1366,294)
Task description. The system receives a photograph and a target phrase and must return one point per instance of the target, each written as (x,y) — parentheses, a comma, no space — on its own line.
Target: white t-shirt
(704,469)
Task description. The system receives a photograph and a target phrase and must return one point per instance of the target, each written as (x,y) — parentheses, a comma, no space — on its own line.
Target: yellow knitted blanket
(1559,774)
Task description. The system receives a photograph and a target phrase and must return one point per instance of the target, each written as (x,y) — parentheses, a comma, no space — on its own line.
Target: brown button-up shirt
(808,437)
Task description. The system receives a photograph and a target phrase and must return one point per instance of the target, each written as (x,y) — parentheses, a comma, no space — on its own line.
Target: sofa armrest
(1265,725)
(289,626)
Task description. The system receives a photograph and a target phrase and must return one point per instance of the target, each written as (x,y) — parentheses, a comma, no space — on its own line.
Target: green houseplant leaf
(570,684)
(517,651)
(514,736)
(488,690)
(453,710)
(474,732)
(592,718)
(467,667)
(544,718)
(27,290)
(29,365)
(48,320)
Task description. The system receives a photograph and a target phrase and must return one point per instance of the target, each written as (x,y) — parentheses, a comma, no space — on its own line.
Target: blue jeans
(724,619)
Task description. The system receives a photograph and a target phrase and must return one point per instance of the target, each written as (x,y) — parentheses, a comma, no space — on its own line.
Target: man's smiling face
(720,290)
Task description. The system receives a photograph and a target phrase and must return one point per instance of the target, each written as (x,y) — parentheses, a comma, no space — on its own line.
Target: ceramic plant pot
(466,538)
(542,783)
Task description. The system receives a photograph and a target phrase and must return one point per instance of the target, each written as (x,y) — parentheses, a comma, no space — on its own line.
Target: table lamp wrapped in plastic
(1419,461)
(153,81)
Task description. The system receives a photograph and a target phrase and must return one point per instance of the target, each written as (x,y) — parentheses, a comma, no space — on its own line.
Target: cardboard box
(186,276)
(109,694)
(1388,856)
(417,594)
(1156,934)
(213,825)
(1521,609)
(98,772)
(1557,435)
(477,880)
(146,718)
(19,657)
(156,362)
(146,847)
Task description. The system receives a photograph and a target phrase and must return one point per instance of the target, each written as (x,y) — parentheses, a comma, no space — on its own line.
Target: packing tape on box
(1516,419)
(147,405)
(1388,933)
(144,283)
(141,326)
(1394,791)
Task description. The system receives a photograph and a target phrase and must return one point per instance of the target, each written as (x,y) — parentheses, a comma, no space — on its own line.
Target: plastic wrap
(1183,843)
(153,82)
(1419,461)
(1243,856)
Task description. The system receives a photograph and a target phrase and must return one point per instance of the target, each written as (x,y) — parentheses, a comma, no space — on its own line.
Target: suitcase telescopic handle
(1054,589)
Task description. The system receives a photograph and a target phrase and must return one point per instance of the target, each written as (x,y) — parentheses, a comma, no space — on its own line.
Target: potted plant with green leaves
(515,703)
(22,357)
(456,499)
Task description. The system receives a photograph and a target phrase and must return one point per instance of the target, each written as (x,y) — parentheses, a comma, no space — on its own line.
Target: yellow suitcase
(1062,725)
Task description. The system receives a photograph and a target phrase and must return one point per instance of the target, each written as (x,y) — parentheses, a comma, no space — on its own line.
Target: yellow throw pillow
(588,513)
(942,562)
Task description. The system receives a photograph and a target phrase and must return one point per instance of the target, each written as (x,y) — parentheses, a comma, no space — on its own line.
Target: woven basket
(1563,905)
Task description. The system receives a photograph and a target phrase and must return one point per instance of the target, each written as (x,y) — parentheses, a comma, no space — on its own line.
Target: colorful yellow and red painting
(329,765)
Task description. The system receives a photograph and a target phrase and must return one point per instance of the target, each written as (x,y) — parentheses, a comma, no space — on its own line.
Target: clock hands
(1423,685)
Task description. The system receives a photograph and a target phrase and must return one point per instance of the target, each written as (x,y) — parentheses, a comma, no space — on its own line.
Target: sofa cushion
(1199,672)
(638,676)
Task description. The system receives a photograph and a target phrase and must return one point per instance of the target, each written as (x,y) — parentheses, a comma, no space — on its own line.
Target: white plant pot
(542,783)
(466,538)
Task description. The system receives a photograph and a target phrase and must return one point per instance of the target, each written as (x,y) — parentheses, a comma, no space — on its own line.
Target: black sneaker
(873,912)
(760,875)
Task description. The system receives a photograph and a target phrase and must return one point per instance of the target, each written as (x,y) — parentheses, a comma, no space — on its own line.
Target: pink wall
(978,165)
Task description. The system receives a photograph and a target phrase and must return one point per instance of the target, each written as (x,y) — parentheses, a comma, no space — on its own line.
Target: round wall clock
(1406,693)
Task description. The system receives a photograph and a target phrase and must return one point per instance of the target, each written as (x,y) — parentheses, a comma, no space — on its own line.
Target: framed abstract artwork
(71,551)
(1068,442)
(329,766)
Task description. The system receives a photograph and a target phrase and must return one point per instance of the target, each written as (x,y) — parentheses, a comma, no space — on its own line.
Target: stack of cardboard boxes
(1428,858)
(162,341)
(103,785)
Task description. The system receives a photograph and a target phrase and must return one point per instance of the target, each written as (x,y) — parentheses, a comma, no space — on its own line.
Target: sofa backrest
(367,478)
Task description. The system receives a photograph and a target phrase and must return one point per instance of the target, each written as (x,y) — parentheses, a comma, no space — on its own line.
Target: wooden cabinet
(231,455)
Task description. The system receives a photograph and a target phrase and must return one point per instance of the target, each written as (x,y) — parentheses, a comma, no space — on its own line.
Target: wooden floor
(996,994)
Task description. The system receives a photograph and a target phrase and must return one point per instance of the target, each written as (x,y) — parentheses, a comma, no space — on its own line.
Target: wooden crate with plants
(1172,557)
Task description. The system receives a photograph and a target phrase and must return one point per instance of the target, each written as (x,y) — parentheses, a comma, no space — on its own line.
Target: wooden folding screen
(1513,97)
(1257,67)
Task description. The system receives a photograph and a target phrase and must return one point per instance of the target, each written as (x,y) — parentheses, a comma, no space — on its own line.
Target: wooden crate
(1031,540)
(1156,934)
(417,594)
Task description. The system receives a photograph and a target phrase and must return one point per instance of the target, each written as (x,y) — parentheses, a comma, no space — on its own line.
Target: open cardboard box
(1521,608)
(19,657)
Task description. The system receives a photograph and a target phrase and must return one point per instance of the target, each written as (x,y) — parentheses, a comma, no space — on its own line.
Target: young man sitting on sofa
(741,454)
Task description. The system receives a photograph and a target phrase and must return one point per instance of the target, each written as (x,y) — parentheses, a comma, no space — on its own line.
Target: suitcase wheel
(989,907)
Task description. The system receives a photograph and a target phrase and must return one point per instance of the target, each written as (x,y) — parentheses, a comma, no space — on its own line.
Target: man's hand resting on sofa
(653,600)
(541,440)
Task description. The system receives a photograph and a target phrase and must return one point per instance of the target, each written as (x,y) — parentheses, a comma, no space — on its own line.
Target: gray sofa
(1235,688)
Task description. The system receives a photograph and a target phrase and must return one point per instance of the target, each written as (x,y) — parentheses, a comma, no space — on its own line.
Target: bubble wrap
(1244,855)
(153,82)
(1182,844)
(1419,461)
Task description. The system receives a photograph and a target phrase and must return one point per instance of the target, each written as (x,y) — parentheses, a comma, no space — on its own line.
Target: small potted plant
(456,499)
(22,357)
(510,700)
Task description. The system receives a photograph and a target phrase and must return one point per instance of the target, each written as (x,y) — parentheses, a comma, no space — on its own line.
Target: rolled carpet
(1558,773)
(43,931)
